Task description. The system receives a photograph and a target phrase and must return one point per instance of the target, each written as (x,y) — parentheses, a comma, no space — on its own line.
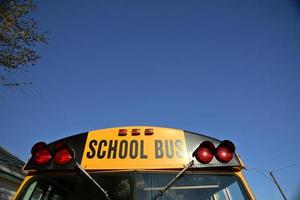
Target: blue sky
(226,69)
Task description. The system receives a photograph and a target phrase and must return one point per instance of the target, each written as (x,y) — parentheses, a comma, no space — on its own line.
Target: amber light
(135,131)
(122,132)
(225,151)
(148,131)
(205,152)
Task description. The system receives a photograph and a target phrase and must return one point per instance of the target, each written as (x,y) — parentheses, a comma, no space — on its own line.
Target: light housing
(225,151)
(205,152)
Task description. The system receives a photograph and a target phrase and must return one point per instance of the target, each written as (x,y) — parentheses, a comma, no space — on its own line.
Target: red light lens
(63,156)
(224,155)
(225,151)
(42,156)
(38,146)
(205,152)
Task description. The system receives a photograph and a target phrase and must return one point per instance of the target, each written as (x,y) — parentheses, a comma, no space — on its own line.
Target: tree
(18,37)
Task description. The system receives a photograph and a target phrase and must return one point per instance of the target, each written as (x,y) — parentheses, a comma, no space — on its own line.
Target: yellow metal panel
(243,179)
(166,148)
(21,186)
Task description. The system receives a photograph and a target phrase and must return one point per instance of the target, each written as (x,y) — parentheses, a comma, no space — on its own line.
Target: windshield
(140,186)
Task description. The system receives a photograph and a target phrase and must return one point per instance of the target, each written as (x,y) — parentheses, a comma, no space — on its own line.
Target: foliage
(18,36)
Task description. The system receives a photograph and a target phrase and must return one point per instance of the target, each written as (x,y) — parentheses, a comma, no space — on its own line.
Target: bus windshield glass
(138,185)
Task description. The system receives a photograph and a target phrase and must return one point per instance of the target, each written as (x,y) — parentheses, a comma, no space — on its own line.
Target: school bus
(135,162)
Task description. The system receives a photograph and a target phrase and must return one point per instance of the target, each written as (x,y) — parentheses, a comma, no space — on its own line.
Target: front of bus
(139,162)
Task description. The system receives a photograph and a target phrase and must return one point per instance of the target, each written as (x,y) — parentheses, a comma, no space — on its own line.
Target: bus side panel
(26,179)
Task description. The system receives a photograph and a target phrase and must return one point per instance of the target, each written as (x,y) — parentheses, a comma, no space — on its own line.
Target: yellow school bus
(136,162)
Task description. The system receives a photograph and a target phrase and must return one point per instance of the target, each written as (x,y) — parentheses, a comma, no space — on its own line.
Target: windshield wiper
(160,193)
(93,180)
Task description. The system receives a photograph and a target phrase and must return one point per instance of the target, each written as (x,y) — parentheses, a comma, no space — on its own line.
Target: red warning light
(38,146)
(40,153)
(63,156)
(205,152)
(225,151)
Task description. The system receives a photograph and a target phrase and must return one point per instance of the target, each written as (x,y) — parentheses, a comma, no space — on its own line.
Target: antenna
(278,186)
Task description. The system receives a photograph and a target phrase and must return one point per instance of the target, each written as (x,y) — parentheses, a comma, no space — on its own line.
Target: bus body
(135,162)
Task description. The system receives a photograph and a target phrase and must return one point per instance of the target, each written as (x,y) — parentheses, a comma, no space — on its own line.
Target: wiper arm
(160,193)
(93,180)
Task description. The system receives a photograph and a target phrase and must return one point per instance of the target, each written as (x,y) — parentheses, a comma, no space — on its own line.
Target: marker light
(136,131)
(63,154)
(149,131)
(40,153)
(122,132)
(225,151)
(205,152)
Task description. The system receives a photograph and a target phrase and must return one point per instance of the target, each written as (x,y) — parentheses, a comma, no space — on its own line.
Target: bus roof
(133,148)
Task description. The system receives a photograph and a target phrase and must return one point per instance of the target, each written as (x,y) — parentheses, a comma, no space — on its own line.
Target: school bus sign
(112,149)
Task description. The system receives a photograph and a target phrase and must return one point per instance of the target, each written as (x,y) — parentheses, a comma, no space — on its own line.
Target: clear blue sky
(228,69)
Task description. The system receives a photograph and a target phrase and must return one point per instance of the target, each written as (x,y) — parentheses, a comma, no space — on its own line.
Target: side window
(220,195)
(29,191)
(235,192)
(232,191)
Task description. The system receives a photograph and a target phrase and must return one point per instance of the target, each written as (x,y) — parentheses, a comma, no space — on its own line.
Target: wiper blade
(160,193)
(93,180)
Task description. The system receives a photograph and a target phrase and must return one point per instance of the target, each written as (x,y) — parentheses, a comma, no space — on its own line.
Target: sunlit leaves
(18,35)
